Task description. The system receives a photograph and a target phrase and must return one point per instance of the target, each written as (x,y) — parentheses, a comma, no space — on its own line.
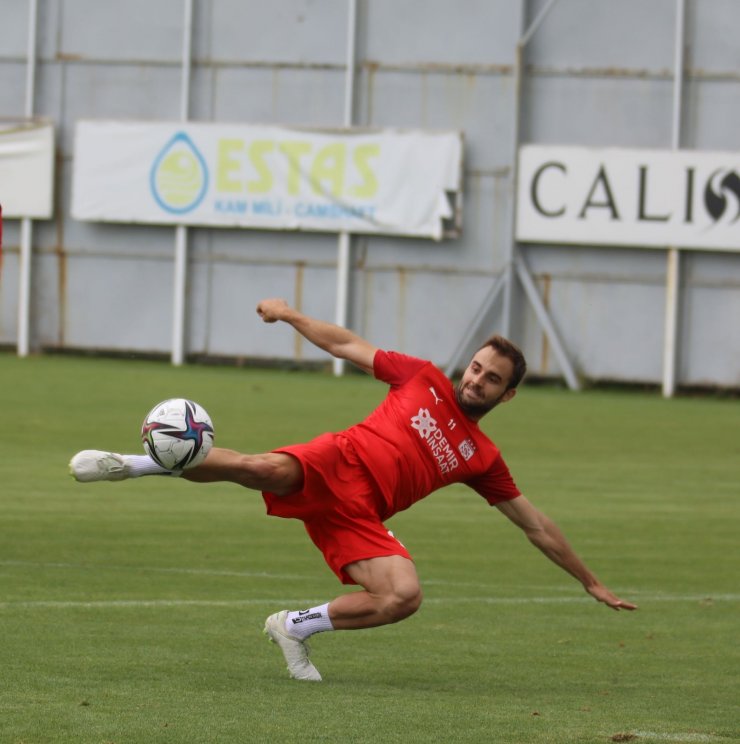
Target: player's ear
(508,395)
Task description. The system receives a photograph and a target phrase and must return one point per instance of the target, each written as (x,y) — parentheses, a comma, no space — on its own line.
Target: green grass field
(132,612)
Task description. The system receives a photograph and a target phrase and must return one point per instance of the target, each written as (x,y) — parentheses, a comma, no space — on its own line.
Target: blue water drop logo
(179,176)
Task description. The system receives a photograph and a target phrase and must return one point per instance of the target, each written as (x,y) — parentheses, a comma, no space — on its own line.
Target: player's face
(483,384)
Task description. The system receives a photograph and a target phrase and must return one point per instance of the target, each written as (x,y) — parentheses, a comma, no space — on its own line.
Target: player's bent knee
(403,604)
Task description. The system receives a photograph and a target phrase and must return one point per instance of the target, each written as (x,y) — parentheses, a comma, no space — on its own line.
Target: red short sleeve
(395,368)
(496,485)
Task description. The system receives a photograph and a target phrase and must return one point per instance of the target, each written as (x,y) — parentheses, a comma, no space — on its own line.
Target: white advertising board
(268,177)
(27,169)
(631,197)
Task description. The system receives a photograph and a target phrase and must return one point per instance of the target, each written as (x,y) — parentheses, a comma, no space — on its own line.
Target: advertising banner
(27,169)
(391,181)
(631,197)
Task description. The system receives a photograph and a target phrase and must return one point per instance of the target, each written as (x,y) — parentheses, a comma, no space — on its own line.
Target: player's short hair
(513,353)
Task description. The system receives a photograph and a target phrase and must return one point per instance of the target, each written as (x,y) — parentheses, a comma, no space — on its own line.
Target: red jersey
(419,439)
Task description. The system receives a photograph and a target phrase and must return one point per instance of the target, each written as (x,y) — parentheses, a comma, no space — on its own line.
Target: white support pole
(31,57)
(343,244)
(180,271)
(342,298)
(673,261)
(24,288)
(672,284)
(180,277)
(24,263)
(349,75)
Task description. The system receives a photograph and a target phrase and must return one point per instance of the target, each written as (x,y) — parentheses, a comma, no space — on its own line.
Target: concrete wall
(598,73)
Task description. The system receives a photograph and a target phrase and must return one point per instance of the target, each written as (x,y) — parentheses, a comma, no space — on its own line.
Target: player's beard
(475,410)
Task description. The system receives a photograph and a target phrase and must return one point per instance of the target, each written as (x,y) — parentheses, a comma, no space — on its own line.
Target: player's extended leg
(272,471)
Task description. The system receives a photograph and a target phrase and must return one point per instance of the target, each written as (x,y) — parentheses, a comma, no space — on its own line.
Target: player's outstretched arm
(337,341)
(545,534)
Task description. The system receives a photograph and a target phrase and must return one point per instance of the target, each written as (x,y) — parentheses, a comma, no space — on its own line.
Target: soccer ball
(177,434)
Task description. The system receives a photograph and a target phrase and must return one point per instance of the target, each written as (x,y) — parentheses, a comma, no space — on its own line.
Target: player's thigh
(272,471)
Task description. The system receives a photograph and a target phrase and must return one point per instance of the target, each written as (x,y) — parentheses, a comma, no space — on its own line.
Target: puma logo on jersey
(437,399)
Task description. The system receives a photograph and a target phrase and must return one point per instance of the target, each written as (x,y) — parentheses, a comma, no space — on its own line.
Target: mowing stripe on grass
(647,594)
(136,603)
(153,569)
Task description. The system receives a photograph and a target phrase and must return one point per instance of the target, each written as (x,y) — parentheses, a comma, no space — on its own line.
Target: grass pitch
(132,612)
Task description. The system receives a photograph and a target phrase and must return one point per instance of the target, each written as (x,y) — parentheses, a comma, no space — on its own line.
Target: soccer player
(344,485)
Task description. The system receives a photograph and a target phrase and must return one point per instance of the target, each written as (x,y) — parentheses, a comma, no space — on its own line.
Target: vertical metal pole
(349,75)
(180,272)
(24,288)
(525,34)
(508,272)
(672,282)
(342,297)
(343,246)
(673,261)
(180,277)
(24,264)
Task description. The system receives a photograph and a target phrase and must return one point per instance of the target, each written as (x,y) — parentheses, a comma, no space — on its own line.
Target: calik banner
(642,198)
(391,181)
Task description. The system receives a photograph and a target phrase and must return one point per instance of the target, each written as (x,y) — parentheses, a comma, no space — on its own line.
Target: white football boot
(294,650)
(96,465)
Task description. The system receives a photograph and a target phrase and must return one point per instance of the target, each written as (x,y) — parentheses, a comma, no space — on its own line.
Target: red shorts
(338,504)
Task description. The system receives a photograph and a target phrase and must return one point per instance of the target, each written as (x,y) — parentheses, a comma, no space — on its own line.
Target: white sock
(139,465)
(303,623)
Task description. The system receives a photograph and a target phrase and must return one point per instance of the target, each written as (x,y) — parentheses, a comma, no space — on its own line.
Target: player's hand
(272,310)
(602,594)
